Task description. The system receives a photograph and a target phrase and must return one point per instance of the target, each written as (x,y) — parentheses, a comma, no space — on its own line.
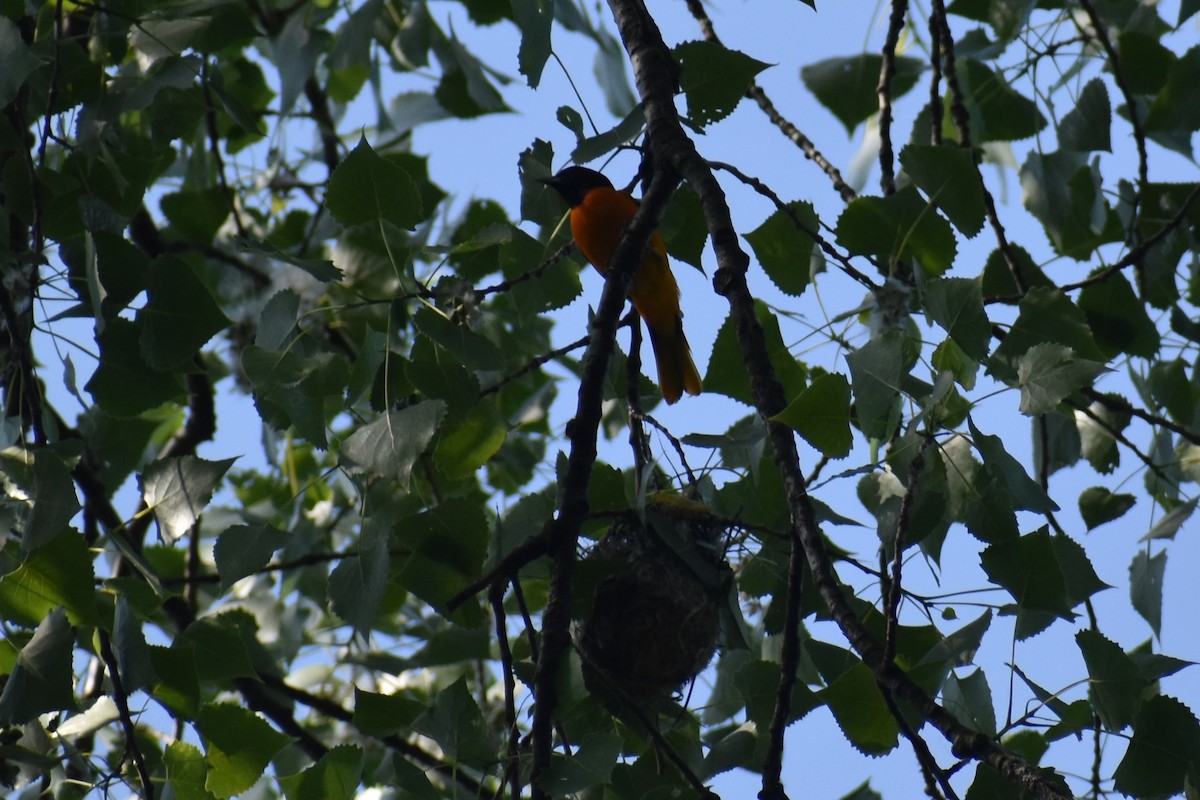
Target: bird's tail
(677,372)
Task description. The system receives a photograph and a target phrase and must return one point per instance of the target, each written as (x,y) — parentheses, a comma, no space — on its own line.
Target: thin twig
(887,71)
(786,127)
(1117,403)
(214,138)
(902,522)
(513,769)
(769,193)
(962,121)
(121,698)
(636,709)
(534,364)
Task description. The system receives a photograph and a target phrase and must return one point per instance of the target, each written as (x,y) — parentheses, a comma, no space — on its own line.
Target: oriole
(599,214)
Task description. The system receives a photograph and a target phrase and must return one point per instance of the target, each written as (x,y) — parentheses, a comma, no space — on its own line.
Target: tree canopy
(322,478)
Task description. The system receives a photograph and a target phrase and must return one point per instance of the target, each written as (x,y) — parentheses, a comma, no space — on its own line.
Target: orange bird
(599,215)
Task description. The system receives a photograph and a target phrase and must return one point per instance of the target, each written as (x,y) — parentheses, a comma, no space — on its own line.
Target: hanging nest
(655,615)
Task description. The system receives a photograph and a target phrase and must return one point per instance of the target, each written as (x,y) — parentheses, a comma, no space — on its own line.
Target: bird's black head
(575,182)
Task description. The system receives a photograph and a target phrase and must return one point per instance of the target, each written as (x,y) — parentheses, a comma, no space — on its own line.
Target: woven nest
(654,624)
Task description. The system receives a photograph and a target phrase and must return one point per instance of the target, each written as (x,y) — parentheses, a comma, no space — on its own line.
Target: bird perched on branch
(599,216)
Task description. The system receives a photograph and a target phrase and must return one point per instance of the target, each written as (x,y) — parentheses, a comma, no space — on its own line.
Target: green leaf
(897,228)
(1145,61)
(1118,319)
(860,711)
(57,574)
(42,679)
(611,69)
(589,767)
(783,246)
(179,317)
(124,385)
(864,790)
(1097,442)
(243,550)
(187,771)
(1025,492)
(335,777)
(446,546)
(821,414)
(998,112)
(196,215)
(758,682)
(178,688)
(625,131)
(1097,505)
(465,89)
(384,714)
(1065,193)
(1177,106)
(534,18)
(970,700)
(956,305)
(294,389)
(683,227)
(1146,586)
(1171,388)
(217,647)
(239,746)
(320,268)
(949,357)
(734,748)
(1081,578)
(1169,525)
(468,442)
(947,175)
(1166,738)
(1086,126)
(727,373)
(240,102)
(389,446)
(1114,682)
(713,79)
(554,287)
(1047,315)
(998,276)
(19,61)
(456,724)
(294,51)
(474,351)
(847,85)
(357,583)
(959,647)
(1027,567)
(1184,325)
(178,489)
(368,188)
(54,502)
(875,370)
(129,646)
(1049,373)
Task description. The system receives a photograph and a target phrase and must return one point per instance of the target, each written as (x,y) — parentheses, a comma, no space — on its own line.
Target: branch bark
(653,71)
(564,530)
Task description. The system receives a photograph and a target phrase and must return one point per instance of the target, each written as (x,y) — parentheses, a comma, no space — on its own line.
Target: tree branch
(670,143)
(887,71)
(583,431)
(121,698)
